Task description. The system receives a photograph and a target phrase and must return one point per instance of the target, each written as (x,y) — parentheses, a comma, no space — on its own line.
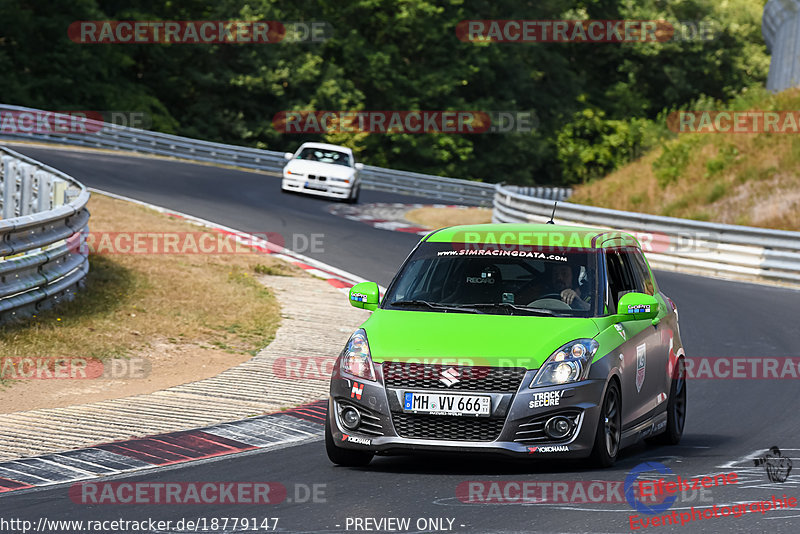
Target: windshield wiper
(510,306)
(433,306)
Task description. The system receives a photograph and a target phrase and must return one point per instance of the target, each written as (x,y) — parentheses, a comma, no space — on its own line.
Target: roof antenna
(553,214)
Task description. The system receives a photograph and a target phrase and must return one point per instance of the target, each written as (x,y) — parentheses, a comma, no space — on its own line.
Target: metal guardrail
(43,259)
(111,136)
(698,247)
(448,190)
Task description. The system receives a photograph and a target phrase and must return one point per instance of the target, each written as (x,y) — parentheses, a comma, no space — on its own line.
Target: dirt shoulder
(433,217)
(145,321)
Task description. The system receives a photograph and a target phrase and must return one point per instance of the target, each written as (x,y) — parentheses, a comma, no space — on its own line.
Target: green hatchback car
(537,341)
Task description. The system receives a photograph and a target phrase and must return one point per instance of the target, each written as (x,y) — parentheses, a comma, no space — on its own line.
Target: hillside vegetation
(750,179)
(593,102)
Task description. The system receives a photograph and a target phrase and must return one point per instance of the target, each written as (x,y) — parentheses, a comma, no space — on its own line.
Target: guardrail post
(59,192)
(44,200)
(26,189)
(10,187)
(2,186)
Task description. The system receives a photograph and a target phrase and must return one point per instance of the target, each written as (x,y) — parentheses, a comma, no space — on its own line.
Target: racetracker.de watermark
(205,493)
(568,240)
(729,121)
(69,122)
(212,243)
(303,367)
(55,368)
(561,492)
(321,368)
(404,122)
(198,31)
(584,31)
(743,367)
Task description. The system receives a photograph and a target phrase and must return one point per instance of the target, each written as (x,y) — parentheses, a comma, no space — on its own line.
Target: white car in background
(324,170)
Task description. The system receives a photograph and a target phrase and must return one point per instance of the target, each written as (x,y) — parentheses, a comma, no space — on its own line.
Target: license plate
(315,186)
(446,404)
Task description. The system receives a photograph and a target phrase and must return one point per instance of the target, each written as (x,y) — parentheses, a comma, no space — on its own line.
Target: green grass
(133,300)
(747,179)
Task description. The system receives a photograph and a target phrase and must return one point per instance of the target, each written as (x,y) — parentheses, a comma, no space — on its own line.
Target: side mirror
(359,166)
(637,307)
(288,155)
(365,295)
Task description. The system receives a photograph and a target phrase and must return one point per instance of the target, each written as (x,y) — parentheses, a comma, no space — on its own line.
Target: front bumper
(514,428)
(331,189)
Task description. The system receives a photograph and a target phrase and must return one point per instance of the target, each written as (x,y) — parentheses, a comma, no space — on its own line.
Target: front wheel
(344,457)
(676,409)
(354,192)
(609,428)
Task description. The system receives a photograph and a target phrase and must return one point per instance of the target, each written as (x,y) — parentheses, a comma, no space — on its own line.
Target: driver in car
(564,278)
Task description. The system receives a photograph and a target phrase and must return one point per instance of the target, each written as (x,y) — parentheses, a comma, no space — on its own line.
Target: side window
(621,278)
(640,266)
(411,284)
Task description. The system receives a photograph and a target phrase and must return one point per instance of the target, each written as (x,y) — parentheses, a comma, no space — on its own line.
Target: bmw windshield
(325,156)
(508,280)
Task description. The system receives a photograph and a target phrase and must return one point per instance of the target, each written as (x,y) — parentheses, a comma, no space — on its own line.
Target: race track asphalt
(728,420)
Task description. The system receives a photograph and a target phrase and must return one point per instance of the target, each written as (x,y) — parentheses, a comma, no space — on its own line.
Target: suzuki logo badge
(449,377)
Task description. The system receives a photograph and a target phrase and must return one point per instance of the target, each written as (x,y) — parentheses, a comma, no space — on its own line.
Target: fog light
(351,418)
(558,427)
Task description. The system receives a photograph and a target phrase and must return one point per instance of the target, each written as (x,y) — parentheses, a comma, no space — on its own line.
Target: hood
(323,169)
(471,339)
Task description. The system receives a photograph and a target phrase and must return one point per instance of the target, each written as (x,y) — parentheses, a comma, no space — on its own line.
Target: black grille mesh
(469,378)
(447,427)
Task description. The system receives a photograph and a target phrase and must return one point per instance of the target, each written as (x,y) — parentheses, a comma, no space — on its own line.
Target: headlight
(355,358)
(570,363)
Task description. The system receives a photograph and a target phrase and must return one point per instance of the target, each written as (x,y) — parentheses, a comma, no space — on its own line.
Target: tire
(353,198)
(676,409)
(344,457)
(609,428)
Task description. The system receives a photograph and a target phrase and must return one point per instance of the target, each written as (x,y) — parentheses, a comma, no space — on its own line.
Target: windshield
(515,280)
(325,156)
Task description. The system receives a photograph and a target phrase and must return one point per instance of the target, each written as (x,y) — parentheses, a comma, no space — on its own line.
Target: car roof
(327,146)
(545,235)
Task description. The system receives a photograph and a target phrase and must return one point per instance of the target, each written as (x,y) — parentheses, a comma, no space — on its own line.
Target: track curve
(728,420)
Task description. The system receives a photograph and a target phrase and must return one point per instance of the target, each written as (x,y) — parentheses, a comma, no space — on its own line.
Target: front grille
(466,378)
(443,427)
(533,430)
